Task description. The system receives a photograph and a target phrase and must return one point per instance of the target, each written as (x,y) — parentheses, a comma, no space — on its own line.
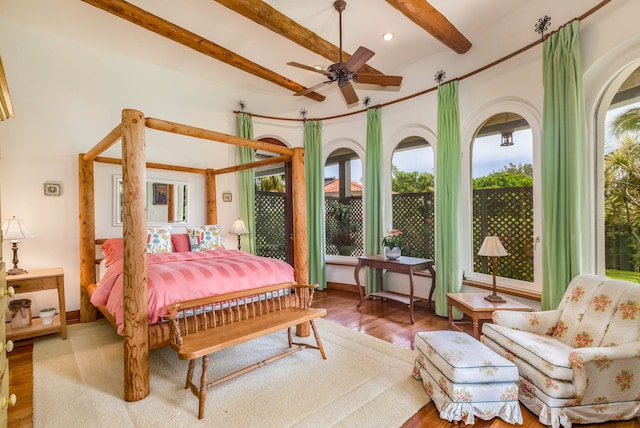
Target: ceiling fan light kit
(345,72)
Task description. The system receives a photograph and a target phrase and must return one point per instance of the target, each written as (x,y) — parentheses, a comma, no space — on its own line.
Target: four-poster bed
(139,336)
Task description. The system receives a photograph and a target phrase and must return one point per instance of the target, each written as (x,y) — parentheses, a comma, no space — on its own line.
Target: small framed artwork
(159,194)
(52,189)
(226,197)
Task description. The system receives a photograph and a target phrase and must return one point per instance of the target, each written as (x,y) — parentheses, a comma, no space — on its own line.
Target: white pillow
(159,240)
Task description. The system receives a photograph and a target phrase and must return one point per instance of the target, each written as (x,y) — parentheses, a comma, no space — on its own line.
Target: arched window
(343,203)
(503,195)
(622,182)
(412,167)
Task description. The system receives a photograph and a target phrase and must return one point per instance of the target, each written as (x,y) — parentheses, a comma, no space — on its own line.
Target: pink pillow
(180,242)
(112,249)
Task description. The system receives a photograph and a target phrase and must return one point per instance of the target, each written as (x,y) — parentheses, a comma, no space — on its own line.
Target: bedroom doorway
(273,202)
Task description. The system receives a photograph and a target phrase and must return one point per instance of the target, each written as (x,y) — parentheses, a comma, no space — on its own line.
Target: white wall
(68,95)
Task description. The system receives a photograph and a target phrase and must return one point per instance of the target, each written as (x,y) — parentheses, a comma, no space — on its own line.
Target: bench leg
(192,364)
(202,396)
(290,337)
(318,341)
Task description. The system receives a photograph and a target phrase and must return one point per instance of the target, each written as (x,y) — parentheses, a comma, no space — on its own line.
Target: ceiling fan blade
(308,67)
(378,79)
(358,59)
(349,93)
(313,88)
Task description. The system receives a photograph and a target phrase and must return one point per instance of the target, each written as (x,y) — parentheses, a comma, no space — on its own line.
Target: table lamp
(492,247)
(13,230)
(239,228)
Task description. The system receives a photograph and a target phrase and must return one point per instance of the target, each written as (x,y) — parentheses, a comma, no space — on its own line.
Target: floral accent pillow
(204,238)
(159,240)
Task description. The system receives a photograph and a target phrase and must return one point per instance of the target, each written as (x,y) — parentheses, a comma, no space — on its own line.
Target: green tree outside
(520,175)
(622,197)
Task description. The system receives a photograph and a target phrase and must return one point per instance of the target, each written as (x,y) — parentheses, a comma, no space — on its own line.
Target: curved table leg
(360,291)
(433,284)
(411,296)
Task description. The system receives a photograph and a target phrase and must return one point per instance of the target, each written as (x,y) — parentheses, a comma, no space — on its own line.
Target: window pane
(272,220)
(622,183)
(412,196)
(343,204)
(502,174)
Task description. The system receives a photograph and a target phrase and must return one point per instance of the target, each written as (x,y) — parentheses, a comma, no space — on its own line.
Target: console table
(403,264)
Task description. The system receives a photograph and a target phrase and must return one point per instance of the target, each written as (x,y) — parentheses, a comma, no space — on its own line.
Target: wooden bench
(203,326)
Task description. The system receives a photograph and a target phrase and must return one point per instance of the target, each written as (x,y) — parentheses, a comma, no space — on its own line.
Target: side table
(403,264)
(38,280)
(478,308)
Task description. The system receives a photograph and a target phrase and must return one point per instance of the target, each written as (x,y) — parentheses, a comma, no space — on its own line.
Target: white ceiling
(494,27)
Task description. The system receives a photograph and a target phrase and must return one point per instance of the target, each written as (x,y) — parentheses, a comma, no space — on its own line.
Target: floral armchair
(579,363)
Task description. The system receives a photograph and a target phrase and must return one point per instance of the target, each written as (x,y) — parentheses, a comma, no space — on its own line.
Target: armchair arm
(606,373)
(542,322)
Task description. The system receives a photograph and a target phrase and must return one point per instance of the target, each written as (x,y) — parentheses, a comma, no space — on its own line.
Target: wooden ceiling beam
(263,14)
(433,22)
(151,22)
(6,106)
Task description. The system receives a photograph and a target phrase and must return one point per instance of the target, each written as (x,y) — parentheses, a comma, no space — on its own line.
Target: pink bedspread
(175,277)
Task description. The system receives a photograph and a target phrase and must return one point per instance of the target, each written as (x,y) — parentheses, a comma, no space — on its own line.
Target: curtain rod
(464,76)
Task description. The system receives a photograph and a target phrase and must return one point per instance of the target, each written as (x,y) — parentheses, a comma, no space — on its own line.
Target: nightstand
(38,280)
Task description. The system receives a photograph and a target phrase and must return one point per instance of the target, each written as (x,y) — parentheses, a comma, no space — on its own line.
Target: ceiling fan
(345,72)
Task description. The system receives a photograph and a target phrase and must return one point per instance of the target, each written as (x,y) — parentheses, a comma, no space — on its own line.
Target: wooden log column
(212,207)
(87,233)
(300,246)
(134,231)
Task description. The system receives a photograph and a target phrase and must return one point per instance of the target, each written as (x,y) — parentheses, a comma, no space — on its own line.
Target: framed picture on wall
(159,194)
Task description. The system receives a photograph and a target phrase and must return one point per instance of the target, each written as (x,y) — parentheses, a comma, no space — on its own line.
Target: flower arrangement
(393,238)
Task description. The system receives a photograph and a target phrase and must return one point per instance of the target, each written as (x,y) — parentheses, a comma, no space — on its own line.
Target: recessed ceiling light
(387,36)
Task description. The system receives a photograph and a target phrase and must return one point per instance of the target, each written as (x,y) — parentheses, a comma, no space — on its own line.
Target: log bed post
(87,233)
(300,250)
(212,207)
(134,231)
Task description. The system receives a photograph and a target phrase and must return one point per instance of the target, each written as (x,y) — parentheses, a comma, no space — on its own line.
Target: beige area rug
(365,382)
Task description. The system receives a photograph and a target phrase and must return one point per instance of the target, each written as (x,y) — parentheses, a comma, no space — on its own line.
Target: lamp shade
(14,230)
(239,228)
(492,247)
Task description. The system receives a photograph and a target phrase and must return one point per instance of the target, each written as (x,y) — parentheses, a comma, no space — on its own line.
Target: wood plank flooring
(386,320)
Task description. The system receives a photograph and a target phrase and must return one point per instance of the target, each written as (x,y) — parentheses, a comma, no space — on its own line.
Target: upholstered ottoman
(464,378)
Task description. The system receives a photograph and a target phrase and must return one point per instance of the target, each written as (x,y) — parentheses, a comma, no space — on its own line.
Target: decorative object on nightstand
(13,230)
(34,281)
(239,228)
(492,247)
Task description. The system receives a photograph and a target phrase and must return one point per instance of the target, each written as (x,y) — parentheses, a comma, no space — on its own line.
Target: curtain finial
(542,25)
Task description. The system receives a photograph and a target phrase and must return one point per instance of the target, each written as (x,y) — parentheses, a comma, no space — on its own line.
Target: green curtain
(314,177)
(373,195)
(246,183)
(564,165)
(447,185)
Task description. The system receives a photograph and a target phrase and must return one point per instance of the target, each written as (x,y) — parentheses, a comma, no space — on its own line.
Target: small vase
(392,253)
